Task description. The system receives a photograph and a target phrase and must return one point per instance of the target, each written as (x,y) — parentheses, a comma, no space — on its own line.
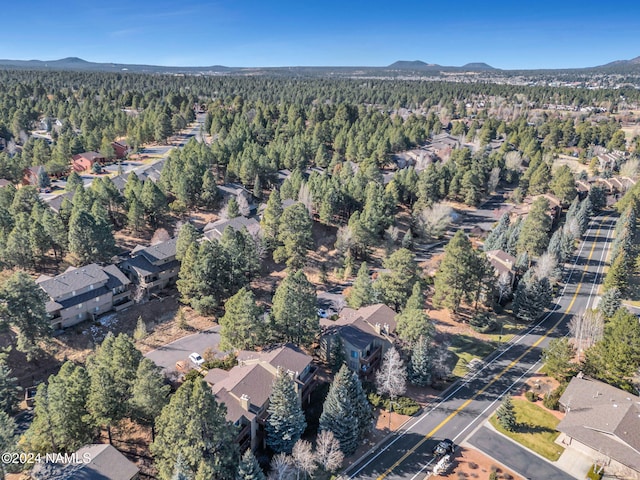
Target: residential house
(86,292)
(121,149)
(555,206)
(366,334)
(215,230)
(603,422)
(32,175)
(152,268)
(245,389)
(91,462)
(502,263)
(55,202)
(83,162)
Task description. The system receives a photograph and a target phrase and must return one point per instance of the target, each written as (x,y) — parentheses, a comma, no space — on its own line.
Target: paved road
(515,457)
(167,355)
(406,454)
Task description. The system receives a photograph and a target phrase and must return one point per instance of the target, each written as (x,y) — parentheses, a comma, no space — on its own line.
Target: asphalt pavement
(468,403)
(167,355)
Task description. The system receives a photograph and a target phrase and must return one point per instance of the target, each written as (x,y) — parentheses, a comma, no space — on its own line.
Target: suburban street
(167,355)
(466,405)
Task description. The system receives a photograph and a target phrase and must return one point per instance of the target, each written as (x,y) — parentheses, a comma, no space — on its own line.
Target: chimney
(377,328)
(245,401)
(386,328)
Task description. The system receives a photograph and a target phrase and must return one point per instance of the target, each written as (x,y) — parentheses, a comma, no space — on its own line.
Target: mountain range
(395,69)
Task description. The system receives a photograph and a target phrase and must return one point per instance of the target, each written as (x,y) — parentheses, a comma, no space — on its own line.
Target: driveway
(167,355)
(512,455)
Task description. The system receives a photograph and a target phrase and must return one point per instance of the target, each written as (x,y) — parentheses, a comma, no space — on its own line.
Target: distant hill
(412,65)
(418,65)
(621,65)
(78,64)
(477,66)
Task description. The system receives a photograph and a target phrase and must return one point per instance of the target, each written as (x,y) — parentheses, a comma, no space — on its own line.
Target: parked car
(443,447)
(196,359)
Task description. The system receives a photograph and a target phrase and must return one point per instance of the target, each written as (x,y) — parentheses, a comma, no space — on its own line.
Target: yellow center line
(501,374)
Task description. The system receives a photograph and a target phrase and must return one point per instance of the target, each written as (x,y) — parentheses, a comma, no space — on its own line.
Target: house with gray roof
(91,462)
(603,422)
(366,334)
(215,230)
(245,389)
(82,293)
(152,268)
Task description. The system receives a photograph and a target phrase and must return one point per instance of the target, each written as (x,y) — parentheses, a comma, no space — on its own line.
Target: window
(354,354)
(97,299)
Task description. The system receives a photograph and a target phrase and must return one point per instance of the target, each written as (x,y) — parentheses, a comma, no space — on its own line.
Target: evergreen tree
(497,238)
(506,414)
(132,188)
(413,324)
(73,182)
(555,246)
(532,297)
(361,293)
(210,195)
(557,359)
(286,422)
(22,305)
(193,425)
(112,370)
(149,394)
(616,358)
(610,302)
(336,355)
(534,236)
(140,331)
(7,437)
(346,411)
(181,471)
(135,215)
(188,235)
(294,235)
(295,318)
(249,468)
(9,388)
(61,421)
(455,276)
(394,286)
(153,201)
(563,185)
(271,219)
(241,325)
(618,274)
(420,369)
(233,209)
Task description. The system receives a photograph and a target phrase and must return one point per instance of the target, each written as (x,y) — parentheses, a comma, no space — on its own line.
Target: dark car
(443,447)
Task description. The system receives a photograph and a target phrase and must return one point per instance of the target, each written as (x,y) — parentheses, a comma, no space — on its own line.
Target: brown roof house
(121,149)
(86,292)
(245,389)
(503,263)
(152,268)
(83,162)
(603,422)
(91,462)
(366,334)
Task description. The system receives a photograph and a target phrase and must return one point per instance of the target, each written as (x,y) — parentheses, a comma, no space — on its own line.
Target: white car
(196,359)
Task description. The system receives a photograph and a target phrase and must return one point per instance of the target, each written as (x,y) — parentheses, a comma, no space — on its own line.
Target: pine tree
(395,285)
(233,210)
(188,235)
(610,302)
(618,274)
(294,235)
(455,276)
(61,421)
(193,425)
(532,297)
(413,324)
(271,219)
(241,325)
(7,437)
(497,238)
(210,195)
(346,411)
(336,355)
(506,414)
(534,236)
(361,293)
(557,359)
(249,468)
(181,471)
(22,305)
(555,246)
(9,388)
(294,315)
(420,369)
(286,422)
(140,331)
(135,215)
(153,201)
(149,394)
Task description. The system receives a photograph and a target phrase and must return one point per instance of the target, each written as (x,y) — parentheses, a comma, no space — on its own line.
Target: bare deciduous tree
(504,286)
(586,329)
(630,168)
(303,459)
(513,160)
(243,206)
(435,219)
(344,240)
(281,468)
(494,179)
(391,379)
(328,453)
(305,197)
(159,236)
(441,365)
(547,266)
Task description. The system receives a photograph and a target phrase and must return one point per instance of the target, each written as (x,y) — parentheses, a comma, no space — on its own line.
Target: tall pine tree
(286,422)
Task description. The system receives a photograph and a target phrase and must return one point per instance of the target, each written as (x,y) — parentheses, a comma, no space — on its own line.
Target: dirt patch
(541,384)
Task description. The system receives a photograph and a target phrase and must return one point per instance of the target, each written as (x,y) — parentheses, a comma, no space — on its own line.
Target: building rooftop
(74,279)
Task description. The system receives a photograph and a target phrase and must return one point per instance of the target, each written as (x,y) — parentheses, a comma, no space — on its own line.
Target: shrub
(401,405)
(192,375)
(552,400)
(226,363)
(593,474)
(531,396)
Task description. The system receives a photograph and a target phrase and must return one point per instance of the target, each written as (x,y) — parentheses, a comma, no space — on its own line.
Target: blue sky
(505,34)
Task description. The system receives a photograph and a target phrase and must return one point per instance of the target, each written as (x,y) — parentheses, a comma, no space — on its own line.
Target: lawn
(466,348)
(536,429)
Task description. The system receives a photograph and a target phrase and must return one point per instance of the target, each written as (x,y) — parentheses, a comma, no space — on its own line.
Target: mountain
(621,65)
(475,66)
(412,65)
(78,64)
(418,65)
